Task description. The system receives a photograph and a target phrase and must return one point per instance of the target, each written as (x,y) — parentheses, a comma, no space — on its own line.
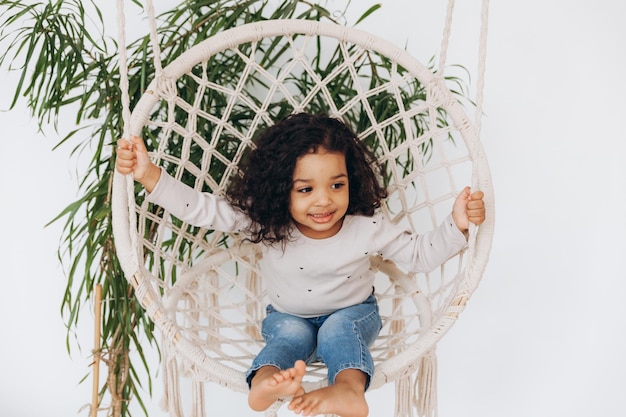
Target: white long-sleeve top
(314,277)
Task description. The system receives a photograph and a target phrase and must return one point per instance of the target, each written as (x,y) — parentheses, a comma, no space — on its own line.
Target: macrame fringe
(197,396)
(404,397)
(253,282)
(171,401)
(254,308)
(213,305)
(418,392)
(171,389)
(426,381)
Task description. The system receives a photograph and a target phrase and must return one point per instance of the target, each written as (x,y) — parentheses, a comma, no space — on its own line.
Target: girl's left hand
(468,207)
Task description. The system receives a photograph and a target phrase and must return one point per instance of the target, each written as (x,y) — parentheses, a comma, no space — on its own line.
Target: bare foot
(346,398)
(269,384)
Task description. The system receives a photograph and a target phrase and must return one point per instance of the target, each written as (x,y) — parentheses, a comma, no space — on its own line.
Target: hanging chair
(204,289)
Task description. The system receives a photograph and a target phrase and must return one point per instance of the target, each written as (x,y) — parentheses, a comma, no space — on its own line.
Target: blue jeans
(341,340)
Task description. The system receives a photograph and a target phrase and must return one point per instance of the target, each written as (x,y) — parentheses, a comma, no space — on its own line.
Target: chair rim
(405,361)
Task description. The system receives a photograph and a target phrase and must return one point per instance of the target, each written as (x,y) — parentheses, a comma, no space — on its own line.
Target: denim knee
(288,338)
(345,337)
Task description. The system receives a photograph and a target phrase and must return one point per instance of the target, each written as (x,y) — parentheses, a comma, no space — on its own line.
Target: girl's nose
(323,198)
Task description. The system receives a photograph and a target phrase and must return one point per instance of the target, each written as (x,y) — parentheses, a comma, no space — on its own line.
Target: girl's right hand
(132,158)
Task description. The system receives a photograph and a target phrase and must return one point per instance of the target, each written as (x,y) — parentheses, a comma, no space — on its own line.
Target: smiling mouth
(322,217)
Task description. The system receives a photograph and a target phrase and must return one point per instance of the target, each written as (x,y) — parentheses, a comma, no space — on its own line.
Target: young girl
(309,196)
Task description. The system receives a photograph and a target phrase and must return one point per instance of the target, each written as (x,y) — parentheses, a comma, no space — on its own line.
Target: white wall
(543,336)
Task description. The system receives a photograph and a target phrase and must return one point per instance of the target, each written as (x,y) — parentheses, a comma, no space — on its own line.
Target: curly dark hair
(263,190)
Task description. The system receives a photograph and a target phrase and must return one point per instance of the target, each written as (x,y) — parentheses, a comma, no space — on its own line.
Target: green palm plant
(69,66)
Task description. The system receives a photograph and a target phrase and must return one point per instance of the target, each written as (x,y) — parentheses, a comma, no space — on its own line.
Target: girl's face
(320,194)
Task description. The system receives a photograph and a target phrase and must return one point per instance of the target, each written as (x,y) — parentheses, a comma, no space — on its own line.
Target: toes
(281,376)
(295,403)
(299,368)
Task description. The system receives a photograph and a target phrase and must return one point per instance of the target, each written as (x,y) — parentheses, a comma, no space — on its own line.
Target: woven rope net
(204,289)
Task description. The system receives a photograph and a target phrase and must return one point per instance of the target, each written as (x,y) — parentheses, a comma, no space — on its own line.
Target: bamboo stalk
(96,349)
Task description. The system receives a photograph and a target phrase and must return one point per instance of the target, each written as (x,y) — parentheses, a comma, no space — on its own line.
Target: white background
(544,334)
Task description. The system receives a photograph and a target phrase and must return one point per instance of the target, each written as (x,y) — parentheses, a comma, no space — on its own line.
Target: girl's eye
(305,190)
(337,185)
